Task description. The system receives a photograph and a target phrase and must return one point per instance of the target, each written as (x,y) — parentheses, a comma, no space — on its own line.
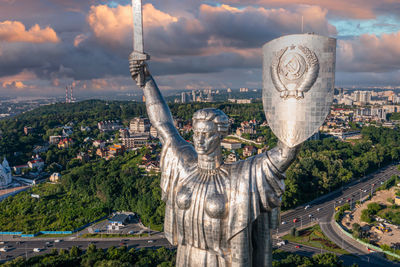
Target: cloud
(211,30)
(360,9)
(15,31)
(252,27)
(370,53)
(113,25)
(14,85)
(23,76)
(79,39)
(192,44)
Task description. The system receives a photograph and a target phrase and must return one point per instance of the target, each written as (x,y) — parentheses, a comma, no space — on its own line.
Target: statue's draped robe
(254,190)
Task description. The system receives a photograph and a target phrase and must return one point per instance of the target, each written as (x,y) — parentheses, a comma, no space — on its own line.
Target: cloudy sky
(46,44)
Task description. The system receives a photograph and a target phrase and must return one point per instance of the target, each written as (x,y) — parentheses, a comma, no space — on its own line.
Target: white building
(5,173)
(231,144)
(139,125)
(55,177)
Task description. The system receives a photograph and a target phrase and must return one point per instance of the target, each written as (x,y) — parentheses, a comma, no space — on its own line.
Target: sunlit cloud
(15,31)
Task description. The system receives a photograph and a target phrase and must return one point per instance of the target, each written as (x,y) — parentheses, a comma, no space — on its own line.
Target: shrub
(374,208)
(366,216)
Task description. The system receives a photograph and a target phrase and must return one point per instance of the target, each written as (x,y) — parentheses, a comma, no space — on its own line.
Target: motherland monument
(220,214)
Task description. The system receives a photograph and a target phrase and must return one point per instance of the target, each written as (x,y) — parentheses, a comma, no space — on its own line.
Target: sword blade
(137,26)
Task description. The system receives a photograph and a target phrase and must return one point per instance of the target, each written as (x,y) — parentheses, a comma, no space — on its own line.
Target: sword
(138,53)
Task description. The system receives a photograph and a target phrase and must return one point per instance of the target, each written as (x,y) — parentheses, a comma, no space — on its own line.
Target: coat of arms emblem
(294,70)
(298,82)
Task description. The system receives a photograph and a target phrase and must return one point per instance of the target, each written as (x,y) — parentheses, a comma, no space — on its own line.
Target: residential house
(55,139)
(65,143)
(116,150)
(55,177)
(99,143)
(28,130)
(37,163)
(232,158)
(249,151)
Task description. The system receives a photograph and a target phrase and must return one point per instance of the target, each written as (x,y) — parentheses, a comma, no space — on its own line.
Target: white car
(150,241)
(306,207)
(281,243)
(4,249)
(309,215)
(57,241)
(36,250)
(283,222)
(318,209)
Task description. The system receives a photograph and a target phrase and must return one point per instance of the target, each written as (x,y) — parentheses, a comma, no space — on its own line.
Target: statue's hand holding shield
(298,85)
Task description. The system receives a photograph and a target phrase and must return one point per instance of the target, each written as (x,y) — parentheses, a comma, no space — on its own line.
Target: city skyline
(215,44)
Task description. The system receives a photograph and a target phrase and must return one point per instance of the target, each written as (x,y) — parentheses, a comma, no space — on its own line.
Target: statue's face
(206,137)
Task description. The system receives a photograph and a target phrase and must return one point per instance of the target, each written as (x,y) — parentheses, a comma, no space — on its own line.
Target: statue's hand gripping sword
(138,53)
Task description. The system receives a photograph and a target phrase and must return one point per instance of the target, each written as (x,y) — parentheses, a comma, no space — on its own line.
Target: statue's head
(210,126)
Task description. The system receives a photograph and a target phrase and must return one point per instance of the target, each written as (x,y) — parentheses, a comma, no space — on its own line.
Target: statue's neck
(211,161)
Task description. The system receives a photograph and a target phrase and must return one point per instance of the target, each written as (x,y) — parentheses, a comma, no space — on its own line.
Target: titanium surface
(222,214)
(137,25)
(217,214)
(298,82)
(138,53)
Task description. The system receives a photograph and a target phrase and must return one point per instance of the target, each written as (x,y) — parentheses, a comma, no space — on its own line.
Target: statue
(217,214)
(220,214)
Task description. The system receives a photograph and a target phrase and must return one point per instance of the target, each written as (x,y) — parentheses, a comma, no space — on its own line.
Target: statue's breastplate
(202,207)
(206,192)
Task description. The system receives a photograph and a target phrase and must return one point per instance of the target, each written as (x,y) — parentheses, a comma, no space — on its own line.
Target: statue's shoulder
(179,151)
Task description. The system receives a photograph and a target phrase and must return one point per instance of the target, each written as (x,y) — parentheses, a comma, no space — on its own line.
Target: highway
(322,210)
(25,248)
(324,206)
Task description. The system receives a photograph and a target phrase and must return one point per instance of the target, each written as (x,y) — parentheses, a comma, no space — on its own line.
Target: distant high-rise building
(183,97)
(363,97)
(194,95)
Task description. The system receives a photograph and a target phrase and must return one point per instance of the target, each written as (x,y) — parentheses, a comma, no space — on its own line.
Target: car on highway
(57,240)
(36,250)
(297,246)
(319,209)
(306,207)
(281,243)
(310,215)
(4,249)
(283,222)
(295,220)
(122,244)
(150,241)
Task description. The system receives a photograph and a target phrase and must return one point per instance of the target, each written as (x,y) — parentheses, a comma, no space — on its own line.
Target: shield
(298,83)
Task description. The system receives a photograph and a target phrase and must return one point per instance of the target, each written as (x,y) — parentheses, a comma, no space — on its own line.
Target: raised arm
(282,156)
(157,110)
